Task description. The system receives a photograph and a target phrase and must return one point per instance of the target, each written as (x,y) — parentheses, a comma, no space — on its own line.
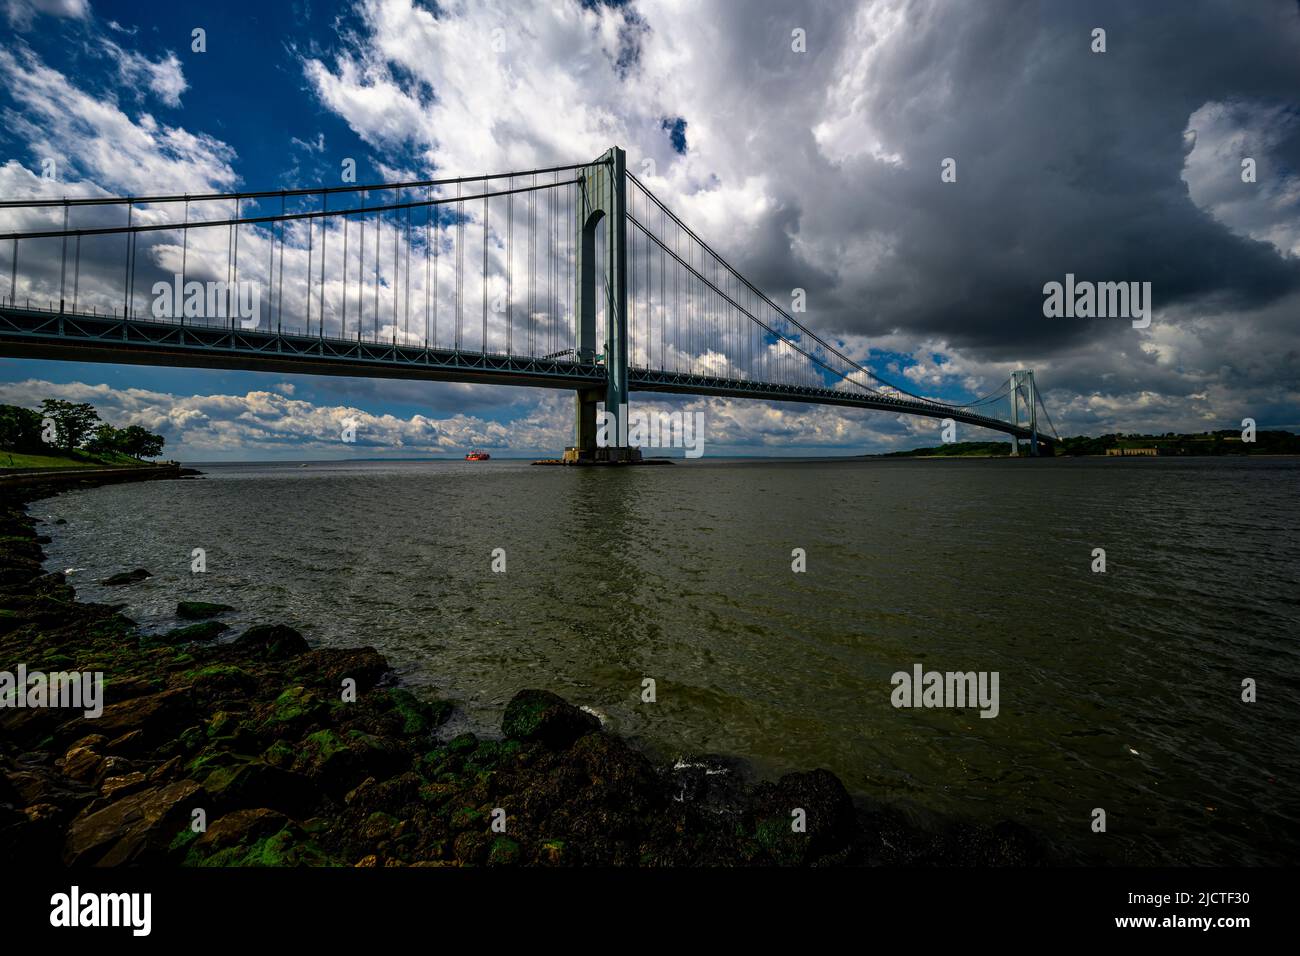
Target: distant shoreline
(789,459)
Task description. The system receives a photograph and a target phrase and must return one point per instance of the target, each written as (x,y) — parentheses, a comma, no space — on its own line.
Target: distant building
(1124,452)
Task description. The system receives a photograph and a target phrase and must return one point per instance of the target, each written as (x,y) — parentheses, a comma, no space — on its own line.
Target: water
(1118,690)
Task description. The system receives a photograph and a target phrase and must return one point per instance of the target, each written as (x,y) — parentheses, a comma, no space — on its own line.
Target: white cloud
(164,77)
(275,424)
(22,13)
(97,139)
(1223,135)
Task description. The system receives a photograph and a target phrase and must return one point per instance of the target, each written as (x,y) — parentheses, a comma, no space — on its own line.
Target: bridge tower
(1023,388)
(602,195)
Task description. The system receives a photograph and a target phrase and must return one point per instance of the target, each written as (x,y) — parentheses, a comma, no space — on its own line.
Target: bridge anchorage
(580,278)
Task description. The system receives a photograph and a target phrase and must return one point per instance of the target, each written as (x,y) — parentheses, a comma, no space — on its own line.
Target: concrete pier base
(603,456)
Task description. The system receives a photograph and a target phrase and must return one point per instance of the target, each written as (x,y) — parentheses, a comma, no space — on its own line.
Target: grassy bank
(261,735)
(78,459)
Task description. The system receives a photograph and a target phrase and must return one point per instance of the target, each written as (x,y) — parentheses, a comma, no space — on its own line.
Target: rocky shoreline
(260,734)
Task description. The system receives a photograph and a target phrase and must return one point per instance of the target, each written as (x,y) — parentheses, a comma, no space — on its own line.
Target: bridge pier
(584,426)
(1022,386)
(602,196)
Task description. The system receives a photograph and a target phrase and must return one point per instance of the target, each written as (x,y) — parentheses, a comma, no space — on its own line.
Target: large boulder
(258,784)
(195,633)
(828,815)
(242,827)
(271,642)
(293,712)
(200,610)
(329,666)
(126,577)
(159,717)
(336,763)
(135,829)
(539,715)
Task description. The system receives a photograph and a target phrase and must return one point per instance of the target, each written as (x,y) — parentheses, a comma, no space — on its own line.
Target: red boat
(477,456)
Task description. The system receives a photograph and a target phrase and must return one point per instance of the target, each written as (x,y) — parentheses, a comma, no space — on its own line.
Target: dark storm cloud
(1067,161)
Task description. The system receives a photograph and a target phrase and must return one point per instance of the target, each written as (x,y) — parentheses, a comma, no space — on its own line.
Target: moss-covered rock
(241,827)
(270,642)
(126,577)
(134,829)
(546,717)
(504,852)
(295,709)
(287,847)
(194,633)
(200,610)
(255,783)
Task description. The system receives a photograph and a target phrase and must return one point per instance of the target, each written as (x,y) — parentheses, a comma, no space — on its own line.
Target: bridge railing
(479,263)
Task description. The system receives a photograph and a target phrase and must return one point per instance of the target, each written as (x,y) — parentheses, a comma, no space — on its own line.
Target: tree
(72,421)
(140,442)
(20,429)
(105,441)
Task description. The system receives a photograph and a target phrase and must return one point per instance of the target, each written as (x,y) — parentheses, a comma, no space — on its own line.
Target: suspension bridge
(572,277)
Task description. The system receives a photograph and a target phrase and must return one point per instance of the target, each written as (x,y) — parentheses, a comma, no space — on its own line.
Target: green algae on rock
(199,610)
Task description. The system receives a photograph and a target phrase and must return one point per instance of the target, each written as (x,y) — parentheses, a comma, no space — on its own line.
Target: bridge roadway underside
(41,334)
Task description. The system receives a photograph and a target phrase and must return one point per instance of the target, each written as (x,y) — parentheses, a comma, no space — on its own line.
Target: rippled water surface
(1118,690)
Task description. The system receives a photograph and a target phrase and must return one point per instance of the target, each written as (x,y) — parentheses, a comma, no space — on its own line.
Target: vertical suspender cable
(343,312)
(531,232)
(324,233)
(460,265)
(379,234)
(76,276)
(437,243)
(232,296)
(428,221)
(361,265)
(270,268)
(510,252)
(126,273)
(63,258)
(406,305)
(279,294)
(311,234)
(397,272)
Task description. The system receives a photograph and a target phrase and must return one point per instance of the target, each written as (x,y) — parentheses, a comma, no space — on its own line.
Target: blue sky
(815,169)
(247,90)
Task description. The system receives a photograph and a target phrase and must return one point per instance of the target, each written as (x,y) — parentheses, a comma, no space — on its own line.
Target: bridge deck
(38,333)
